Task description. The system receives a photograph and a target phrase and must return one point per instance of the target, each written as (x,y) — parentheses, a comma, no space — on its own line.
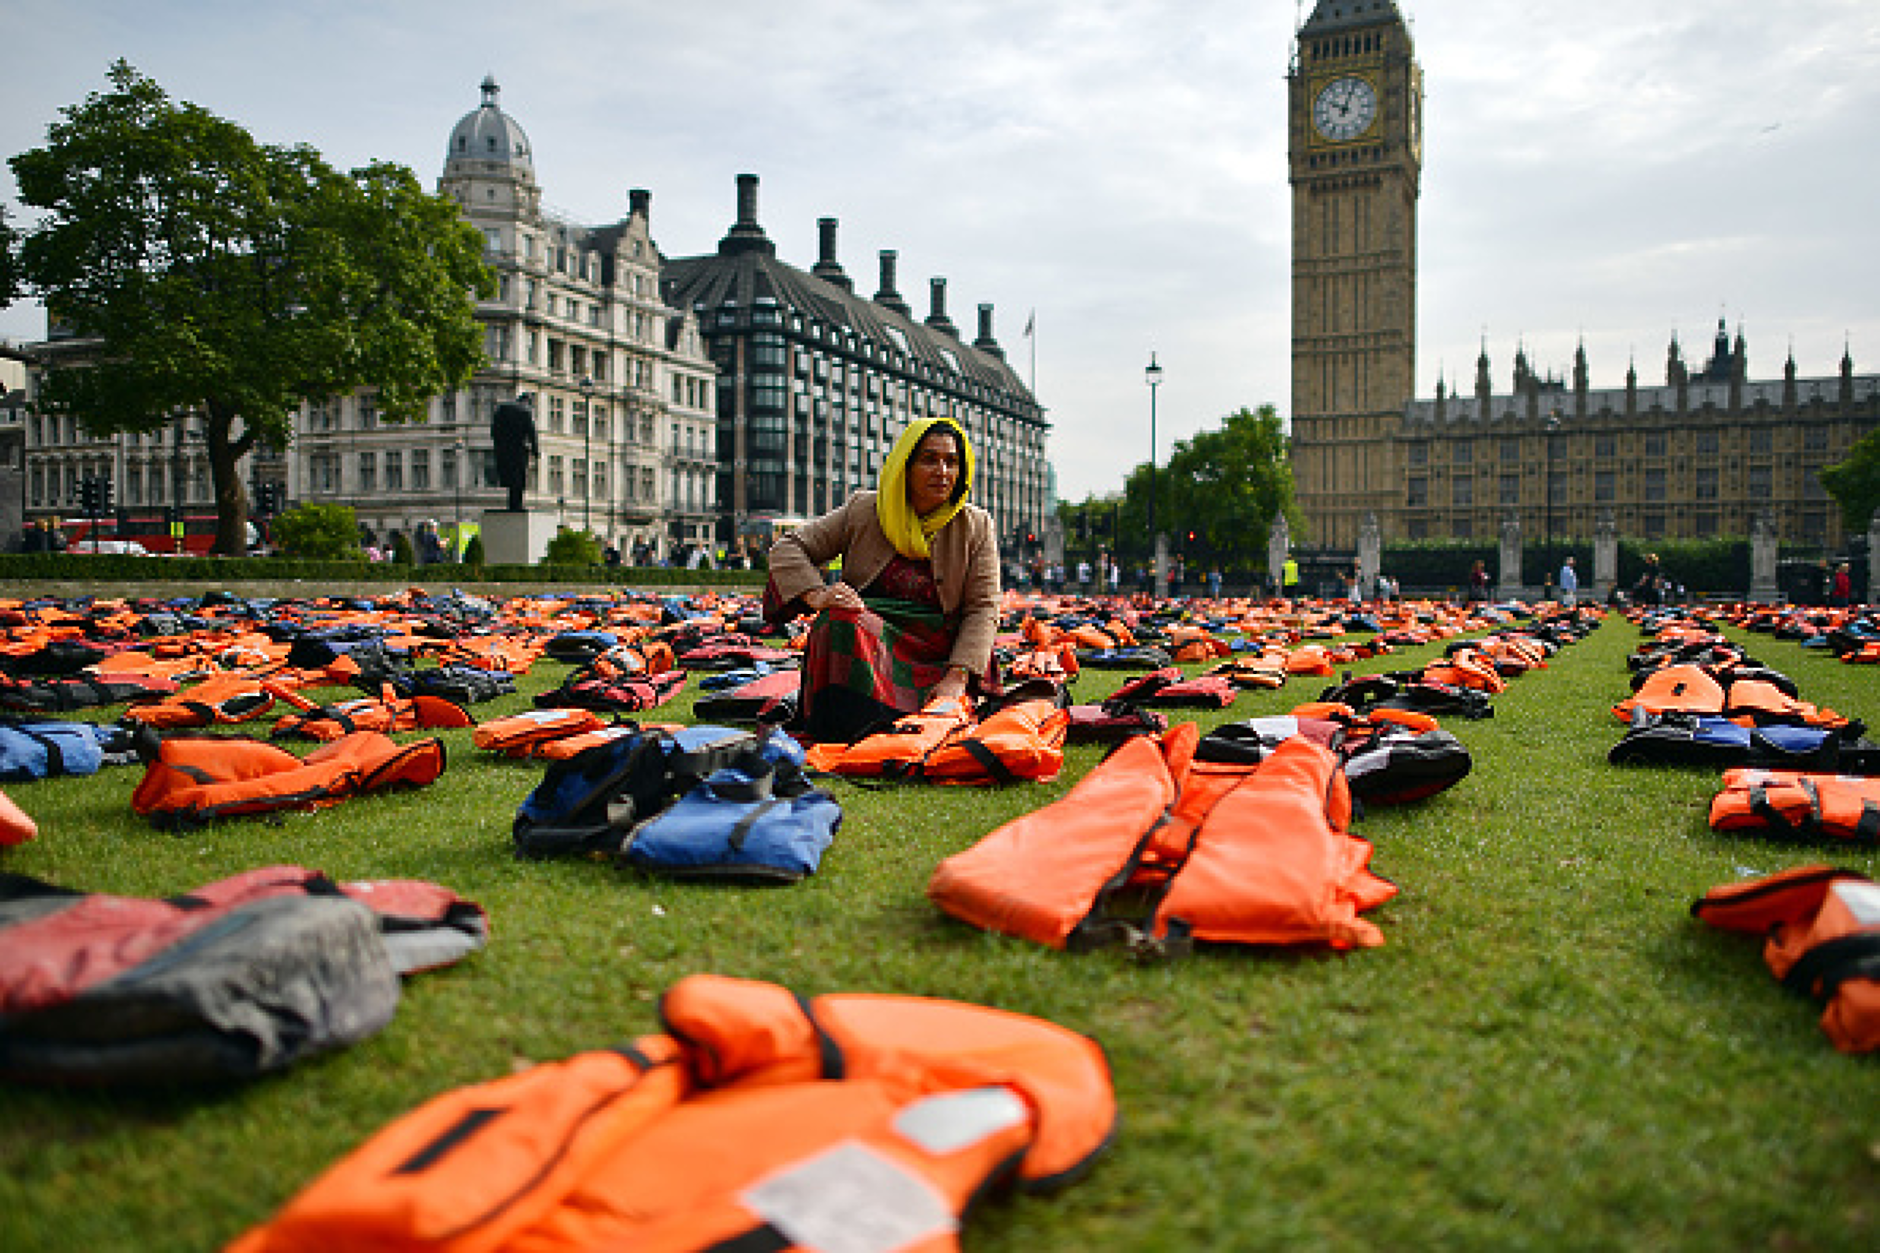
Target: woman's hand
(952,686)
(835,596)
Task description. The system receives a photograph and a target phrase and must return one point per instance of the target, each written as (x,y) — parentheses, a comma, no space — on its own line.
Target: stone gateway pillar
(1508,584)
(1605,556)
(1278,544)
(1370,556)
(1763,550)
(1873,558)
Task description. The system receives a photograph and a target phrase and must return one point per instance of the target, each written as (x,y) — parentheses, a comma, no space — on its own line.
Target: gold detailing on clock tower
(1355,119)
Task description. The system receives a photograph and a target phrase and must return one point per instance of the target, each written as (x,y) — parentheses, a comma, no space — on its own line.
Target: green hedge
(1716,566)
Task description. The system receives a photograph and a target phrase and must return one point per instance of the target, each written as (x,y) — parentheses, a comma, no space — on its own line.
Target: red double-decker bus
(152,530)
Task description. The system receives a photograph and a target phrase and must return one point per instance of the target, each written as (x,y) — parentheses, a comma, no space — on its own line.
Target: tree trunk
(231,497)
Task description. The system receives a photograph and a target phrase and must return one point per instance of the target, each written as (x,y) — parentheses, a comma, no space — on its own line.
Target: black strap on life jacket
(1824,968)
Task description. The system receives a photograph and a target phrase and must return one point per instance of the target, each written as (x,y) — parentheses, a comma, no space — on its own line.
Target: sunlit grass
(1548,1053)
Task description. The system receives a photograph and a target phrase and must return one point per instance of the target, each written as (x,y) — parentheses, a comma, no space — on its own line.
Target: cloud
(1605,172)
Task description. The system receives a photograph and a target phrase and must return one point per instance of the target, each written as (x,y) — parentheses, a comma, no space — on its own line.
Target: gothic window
(368,472)
(1510,489)
(1463,454)
(394,471)
(1761,439)
(1655,484)
(1416,492)
(1706,443)
(1510,451)
(1462,491)
(1654,443)
(1704,483)
(420,470)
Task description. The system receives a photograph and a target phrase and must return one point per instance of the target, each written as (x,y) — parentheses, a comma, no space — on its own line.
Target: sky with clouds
(1604,172)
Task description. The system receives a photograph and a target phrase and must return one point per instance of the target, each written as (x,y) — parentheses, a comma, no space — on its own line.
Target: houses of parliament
(1704,451)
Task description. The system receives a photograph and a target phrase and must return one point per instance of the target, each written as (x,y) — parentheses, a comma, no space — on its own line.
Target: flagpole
(1031,333)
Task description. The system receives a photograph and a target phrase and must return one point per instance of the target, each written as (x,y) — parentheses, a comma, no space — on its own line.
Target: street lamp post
(587,450)
(1553,429)
(1152,373)
(463,468)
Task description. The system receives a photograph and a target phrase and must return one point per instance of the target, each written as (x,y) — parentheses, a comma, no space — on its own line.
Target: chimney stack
(887,297)
(827,267)
(938,318)
(746,235)
(640,203)
(986,343)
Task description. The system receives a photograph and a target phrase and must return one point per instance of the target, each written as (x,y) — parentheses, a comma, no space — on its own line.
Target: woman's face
(933,471)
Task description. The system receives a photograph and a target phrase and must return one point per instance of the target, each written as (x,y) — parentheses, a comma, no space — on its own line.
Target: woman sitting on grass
(912,617)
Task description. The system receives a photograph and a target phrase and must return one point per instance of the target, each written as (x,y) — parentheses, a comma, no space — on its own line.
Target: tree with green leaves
(1855,483)
(208,274)
(1225,486)
(319,533)
(573,548)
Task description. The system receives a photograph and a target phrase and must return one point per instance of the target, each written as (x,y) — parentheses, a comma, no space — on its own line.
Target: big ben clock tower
(1355,110)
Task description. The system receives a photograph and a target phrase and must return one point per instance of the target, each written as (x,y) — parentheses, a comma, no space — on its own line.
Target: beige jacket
(965,566)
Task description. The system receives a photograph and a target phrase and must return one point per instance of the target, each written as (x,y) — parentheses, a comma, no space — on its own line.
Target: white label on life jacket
(1862,900)
(851,1199)
(949,1122)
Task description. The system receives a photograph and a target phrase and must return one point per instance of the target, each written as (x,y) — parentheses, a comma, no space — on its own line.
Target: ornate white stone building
(622,388)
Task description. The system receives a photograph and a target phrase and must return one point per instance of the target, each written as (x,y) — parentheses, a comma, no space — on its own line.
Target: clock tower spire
(1355,104)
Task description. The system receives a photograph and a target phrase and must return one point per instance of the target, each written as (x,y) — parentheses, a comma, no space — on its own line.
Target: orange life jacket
(739,1127)
(16,826)
(224,698)
(1798,803)
(518,734)
(390,712)
(1674,689)
(195,779)
(1221,852)
(1021,741)
(1822,937)
(898,750)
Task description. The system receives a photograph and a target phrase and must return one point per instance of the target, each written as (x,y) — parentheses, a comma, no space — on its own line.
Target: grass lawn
(1548,1053)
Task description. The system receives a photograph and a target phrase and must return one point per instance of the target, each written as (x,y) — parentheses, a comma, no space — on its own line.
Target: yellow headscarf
(909,534)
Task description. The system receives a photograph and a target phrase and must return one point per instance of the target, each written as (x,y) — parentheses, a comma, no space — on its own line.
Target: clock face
(1345,109)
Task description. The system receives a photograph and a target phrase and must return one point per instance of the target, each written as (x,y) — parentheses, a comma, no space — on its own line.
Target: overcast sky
(1605,171)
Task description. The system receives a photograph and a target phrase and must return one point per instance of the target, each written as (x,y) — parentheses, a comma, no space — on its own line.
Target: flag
(1030,322)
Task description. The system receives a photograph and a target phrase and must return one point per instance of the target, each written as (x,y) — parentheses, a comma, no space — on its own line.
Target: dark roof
(1337,15)
(745,275)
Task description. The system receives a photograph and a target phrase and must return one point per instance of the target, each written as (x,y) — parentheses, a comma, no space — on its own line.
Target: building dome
(489,134)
